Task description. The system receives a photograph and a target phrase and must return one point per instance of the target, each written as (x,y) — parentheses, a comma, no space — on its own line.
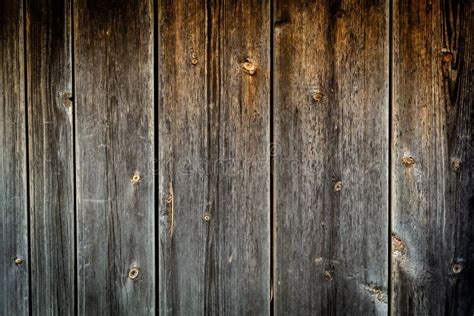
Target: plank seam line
(156,162)
(27,151)
(272,164)
(389,127)
(74,167)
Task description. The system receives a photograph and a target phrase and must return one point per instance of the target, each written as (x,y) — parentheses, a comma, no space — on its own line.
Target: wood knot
(249,67)
(378,292)
(67,99)
(407,160)
(456,164)
(398,245)
(133,273)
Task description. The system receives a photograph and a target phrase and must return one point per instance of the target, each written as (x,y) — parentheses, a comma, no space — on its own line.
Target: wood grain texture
(331,159)
(433,200)
(214,175)
(13,183)
(51,181)
(113,48)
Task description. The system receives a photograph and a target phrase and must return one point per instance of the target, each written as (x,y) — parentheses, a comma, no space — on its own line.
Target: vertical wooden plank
(433,158)
(214,161)
(113,48)
(50,157)
(183,146)
(331,135)
(13,191)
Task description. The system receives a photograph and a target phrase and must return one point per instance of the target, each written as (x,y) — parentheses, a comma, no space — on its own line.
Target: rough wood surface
(331,160)
(50,143)
(114,153)
(432,154)
(13,181)
(214,175)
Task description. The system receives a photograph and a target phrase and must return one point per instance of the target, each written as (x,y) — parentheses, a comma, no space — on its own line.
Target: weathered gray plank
(50,144)
(114,156)
(331,161)
(433,158)
(13,191)
(214,175)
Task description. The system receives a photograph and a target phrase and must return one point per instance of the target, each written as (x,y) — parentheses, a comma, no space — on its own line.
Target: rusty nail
(407,161)
(206,216)
(136,178)
(338,186)
(249,67)
(457,268)
(18,261)
(456,164)
(133,273)
(446,56)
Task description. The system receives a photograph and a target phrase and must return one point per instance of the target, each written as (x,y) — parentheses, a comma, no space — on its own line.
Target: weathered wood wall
(255,157)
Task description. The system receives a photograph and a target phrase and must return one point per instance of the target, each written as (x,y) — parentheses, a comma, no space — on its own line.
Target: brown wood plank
(433,158)
(51,156)
(331,105)
(214,162)
(13,182)
(113,48)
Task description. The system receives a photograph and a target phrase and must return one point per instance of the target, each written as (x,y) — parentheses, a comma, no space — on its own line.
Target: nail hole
(456,164)
(249,67)
(407,161)
(133,273)
(457,268)
(194,59)
(318,95)
(327,275)
(136,179)
(338,186)
(206,216)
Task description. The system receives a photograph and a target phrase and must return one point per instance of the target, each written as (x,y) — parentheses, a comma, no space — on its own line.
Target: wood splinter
(170,209)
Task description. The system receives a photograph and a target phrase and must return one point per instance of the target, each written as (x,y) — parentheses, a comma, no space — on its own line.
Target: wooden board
(432,154)
(51,163)
(331,106)
(214,175)
(113,52)
(13,180)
